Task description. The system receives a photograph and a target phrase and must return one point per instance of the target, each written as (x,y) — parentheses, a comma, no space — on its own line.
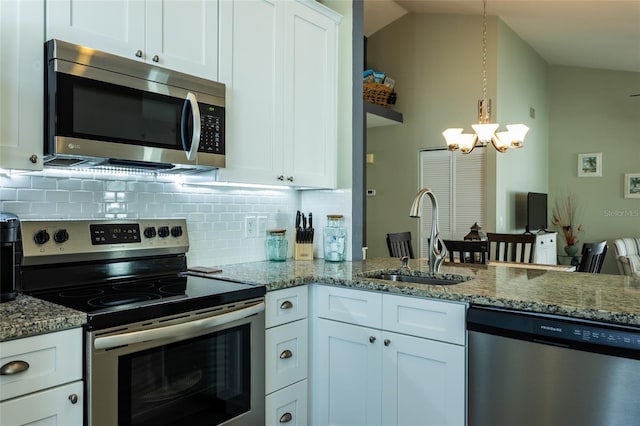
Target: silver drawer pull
(372,339)
(14,367)
(73,398)
(286,305)
(286,418)
(387,342)
(286,354)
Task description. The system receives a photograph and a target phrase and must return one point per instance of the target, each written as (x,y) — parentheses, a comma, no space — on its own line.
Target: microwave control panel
(211,129)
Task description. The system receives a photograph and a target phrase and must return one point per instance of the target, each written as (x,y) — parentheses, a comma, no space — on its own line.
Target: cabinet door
(546,252)
(423,382)
(251,67)
(348,384)
(183,35)
(114,26)
(54,406)
(310,97)
(21,84)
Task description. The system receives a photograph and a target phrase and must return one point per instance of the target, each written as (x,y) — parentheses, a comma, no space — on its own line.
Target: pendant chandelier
(485,130)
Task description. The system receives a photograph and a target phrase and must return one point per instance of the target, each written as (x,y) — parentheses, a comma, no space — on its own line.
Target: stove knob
(163,231)
(150,232)
(41,237)
(60,236)
(176,231)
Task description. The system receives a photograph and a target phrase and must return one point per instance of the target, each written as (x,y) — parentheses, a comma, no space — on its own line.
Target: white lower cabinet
(286,356)
(367,375)
(41,381)
(50,407)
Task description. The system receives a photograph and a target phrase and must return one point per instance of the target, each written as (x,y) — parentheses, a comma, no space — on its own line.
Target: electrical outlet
(262,225)
(250,227)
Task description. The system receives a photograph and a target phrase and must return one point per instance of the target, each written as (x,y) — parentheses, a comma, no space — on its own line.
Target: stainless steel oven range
(162,347)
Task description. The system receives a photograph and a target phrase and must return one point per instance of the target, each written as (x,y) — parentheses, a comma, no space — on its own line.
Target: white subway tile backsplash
(215,215)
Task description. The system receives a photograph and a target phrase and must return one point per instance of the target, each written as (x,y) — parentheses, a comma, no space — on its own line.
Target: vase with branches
(564,216)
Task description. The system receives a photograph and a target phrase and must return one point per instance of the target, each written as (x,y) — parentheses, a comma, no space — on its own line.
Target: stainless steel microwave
(103,110)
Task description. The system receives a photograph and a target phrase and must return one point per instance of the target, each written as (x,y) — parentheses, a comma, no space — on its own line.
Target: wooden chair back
(593,255)
(467,251)
(399,244)
(512,247)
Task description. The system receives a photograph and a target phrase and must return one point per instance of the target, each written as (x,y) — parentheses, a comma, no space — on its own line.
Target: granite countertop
(609,298)
(27,316)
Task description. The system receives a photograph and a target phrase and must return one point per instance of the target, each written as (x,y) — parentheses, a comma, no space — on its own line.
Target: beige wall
(591,111)
(436,61)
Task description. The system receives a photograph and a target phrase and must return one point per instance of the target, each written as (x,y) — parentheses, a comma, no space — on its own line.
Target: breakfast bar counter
(602,297)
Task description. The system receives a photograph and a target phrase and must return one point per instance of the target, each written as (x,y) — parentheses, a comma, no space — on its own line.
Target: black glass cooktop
(125,302)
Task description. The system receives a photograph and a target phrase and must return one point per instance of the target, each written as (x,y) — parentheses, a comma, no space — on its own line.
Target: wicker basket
(376,93)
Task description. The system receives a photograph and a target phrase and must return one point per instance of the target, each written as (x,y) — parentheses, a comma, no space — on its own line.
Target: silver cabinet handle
(286,418)
(290,178)
(33,158)
(73,398)
(155,58)
(14,367)
(280,178)
(139,54)
(372,339)
(286,354)
(387,342)
(286,305)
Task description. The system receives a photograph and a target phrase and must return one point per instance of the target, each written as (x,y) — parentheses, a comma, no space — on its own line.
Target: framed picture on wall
(632,185)
(590,165)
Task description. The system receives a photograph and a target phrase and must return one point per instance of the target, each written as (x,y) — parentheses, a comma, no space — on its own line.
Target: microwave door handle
(108,342)
(190,103)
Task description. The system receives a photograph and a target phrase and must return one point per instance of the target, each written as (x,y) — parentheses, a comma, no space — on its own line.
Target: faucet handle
(405,262)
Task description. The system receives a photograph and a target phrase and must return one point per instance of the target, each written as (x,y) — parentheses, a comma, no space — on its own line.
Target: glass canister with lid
(277,245)
(335,239)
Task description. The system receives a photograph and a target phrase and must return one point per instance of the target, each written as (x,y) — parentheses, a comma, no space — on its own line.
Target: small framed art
(590,165)
(632,185)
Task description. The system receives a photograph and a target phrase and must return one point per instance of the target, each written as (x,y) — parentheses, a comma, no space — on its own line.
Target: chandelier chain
(484,50)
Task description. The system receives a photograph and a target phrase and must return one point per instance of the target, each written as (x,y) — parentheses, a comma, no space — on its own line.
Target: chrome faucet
(436,256)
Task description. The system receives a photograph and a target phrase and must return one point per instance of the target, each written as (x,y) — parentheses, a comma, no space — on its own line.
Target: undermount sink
(416,277)
(420,280)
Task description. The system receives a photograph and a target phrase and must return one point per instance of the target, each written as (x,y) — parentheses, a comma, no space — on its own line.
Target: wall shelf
(377,115)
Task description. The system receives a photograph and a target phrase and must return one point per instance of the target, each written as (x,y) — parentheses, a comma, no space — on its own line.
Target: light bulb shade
(452,136)
(517,132)
(485,131)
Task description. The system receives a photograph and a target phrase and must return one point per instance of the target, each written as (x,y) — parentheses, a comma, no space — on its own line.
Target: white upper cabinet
(279,62)
(178,34)
(21,84)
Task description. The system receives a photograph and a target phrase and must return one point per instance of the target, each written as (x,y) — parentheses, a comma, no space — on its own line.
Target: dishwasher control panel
(588,334)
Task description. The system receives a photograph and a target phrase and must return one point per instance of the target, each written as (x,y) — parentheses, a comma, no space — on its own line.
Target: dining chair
(399,244)
(467,251)
(593,255)
(512,247)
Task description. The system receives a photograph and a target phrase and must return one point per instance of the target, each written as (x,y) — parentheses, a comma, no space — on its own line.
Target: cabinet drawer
(287,305)
(53,359)
(352,306)
(286,349)
(288,406)
(431,319)
(49,407)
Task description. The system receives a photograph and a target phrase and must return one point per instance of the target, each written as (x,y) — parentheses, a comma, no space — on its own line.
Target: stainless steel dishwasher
(547,370)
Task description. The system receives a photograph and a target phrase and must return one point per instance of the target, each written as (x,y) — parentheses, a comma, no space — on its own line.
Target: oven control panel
(45,241)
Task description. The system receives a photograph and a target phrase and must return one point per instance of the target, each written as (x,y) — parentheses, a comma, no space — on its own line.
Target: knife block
(303,251)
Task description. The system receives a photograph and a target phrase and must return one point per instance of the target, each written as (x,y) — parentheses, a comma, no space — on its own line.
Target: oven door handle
(108,342)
